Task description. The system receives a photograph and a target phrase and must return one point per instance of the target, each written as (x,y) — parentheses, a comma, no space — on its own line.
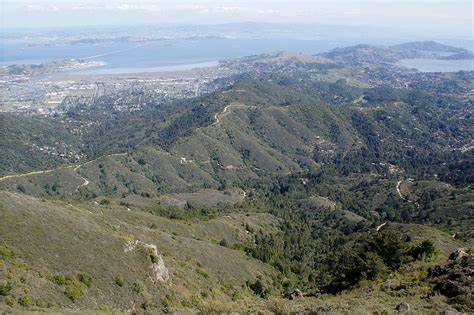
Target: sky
(446,17)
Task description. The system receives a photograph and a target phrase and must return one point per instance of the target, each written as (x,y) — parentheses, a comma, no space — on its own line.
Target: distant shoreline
(131,70)
(171,72)
(437,65)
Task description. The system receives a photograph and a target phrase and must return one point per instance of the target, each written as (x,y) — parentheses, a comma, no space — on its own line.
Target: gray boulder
(296,294)
(403,307)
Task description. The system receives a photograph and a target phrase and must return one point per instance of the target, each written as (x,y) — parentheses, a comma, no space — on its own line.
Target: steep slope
(266,129)
(32,143)
(237,200)
(45,240)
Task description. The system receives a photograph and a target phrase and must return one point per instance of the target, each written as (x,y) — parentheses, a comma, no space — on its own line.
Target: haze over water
(135,57)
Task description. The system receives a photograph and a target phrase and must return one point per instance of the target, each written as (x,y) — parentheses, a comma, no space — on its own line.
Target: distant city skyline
(453,17)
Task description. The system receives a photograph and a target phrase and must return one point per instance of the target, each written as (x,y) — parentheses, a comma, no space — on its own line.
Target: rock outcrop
(458,255)
(296,294)
(159,271)
(454,279)
(403,307)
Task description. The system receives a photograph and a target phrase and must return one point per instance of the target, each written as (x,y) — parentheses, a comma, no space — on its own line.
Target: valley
(330,183)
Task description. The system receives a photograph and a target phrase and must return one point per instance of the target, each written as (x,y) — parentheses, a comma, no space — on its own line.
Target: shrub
(24,301)
(105,202)
(10,301)
(74,289)
(85,278)
(5,288)
(258,288)
(186,303)
(463,303)
(119,281)
(236,295)
(196,300)
(45,273)
(137,287)
(147,306)
(20,264)
(59,279)
(5,252)
(104,308)
(40,303)
(202,272)
(424,250)
(20,188)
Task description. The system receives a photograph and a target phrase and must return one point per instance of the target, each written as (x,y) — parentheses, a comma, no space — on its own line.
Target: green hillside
(75,239)
(273,129)
(84,262)
(294,189)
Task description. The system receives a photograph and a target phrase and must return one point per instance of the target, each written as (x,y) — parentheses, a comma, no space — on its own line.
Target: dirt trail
(380,226)
(403,197)
(33,173)
(398,190)
(85,183)
(76,168)
(270,172)
(217,116)
(105,156)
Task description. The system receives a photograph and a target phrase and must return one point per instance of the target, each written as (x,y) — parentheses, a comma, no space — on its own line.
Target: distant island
(51,67)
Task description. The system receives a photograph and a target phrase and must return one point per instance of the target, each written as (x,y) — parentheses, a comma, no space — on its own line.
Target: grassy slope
(55,237)
(266,139)
(52,237)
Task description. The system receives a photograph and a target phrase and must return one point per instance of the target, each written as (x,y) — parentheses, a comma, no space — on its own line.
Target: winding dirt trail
(101,157)
(76,168)
(397,187)
(226,109)
(218,115)
(85,183)
(31,173)
(217,120)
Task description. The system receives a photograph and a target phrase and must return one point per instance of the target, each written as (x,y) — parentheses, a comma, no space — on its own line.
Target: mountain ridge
(304,178)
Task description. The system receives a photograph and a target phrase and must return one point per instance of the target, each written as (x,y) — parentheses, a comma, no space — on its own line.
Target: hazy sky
(447,17)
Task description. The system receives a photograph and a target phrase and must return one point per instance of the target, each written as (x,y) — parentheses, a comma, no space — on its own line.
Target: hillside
(33,142)
(302,186)
(259,128)
(429,46)
(86,244)
(92,239)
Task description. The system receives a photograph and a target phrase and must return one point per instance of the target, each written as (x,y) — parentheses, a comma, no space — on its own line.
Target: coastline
(132,70)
